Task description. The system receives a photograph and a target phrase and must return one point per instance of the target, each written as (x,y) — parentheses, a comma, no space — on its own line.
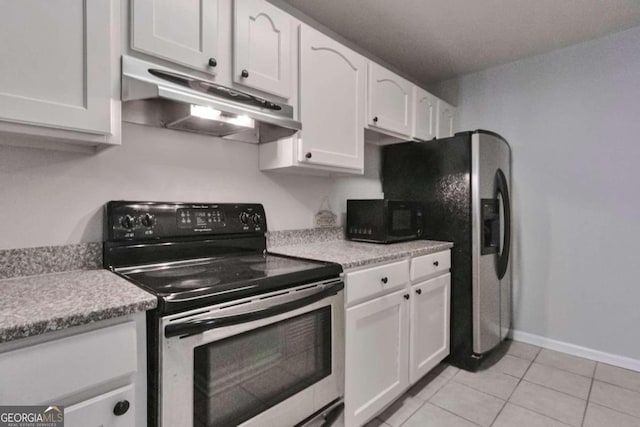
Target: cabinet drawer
(42,373)
(101,411)
(374,281)
(429,265)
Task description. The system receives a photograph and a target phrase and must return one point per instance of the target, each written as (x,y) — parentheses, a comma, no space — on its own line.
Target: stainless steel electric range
(240,336)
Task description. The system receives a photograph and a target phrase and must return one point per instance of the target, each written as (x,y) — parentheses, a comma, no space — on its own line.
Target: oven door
(404,220)
(269,360)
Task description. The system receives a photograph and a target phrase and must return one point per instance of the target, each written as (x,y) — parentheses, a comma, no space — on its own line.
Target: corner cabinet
(261,46)
(332,102)
(59,75)
(397,330)
(446,115)
(185,32)
(424,114)
(390,102)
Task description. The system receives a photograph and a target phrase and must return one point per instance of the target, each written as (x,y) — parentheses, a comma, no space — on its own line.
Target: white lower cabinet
(113,409)
(376,371)
(394,335)
(96,372)
(429,330)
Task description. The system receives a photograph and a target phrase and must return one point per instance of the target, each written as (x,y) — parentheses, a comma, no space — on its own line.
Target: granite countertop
(37,304)
(356,254)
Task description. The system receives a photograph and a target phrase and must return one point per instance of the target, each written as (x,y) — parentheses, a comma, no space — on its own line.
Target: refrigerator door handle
(503,190)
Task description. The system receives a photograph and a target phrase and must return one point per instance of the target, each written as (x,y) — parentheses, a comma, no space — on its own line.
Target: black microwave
(384,221)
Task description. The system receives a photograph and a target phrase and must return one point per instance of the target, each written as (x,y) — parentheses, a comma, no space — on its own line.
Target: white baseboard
(576,350)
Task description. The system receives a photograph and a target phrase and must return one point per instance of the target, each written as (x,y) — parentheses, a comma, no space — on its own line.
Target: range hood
(158,96)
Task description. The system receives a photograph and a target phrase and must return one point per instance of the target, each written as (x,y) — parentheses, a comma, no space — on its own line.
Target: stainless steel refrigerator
(464,183)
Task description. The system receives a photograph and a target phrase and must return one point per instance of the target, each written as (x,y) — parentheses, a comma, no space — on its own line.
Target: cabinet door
(102,411)
(332,90)
(429,342)
(424,120)
(262,47)
(376,368)
(390,101)
(184,32)
(56,64)
(446,120)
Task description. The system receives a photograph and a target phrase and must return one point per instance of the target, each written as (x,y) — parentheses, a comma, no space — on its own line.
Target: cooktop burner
(176,272)
(189,284)
(181,280)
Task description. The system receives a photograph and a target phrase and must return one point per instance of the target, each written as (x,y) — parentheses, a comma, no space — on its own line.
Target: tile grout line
(515,357)
(464,385)
(538,413)
(484,392)
(427,400)
(445,409)
(614,409)
(548,388)
(453,413)
(584,414)
(514,389)
(565,370)
(434,393)
(553,389)
(617,385)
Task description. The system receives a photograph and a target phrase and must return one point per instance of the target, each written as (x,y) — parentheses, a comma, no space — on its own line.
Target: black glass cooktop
(229,277)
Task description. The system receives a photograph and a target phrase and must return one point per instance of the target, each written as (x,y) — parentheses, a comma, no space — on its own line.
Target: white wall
(367,186)
(52,197)
(572,118)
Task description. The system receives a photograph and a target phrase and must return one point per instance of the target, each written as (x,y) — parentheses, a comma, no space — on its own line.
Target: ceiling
(434,40)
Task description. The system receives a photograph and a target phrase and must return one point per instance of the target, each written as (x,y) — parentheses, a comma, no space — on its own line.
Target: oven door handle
(195,327)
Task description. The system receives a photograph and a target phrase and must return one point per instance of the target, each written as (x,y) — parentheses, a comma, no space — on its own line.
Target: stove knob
(244,218)
(148,220)
(128,222)
(256,218)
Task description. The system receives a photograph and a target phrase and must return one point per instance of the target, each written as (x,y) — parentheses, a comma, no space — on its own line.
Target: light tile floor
(528,387)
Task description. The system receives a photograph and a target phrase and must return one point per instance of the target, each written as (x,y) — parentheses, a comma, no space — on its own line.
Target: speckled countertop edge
(24,262)
(38,304)
(356,254)
(304,236)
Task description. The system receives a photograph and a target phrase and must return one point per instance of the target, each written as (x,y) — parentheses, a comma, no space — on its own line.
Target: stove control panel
(158,220)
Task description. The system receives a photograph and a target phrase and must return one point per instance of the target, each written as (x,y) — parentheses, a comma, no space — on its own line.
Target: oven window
(400,219)
(239,377)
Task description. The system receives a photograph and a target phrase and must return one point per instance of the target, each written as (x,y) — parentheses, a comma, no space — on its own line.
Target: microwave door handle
(195,327)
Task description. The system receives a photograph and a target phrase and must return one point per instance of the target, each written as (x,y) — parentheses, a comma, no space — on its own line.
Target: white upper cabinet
(424,120)
(56,65)
(390,102)
(332,102)
(446,116)
(185,32)
(262,47)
